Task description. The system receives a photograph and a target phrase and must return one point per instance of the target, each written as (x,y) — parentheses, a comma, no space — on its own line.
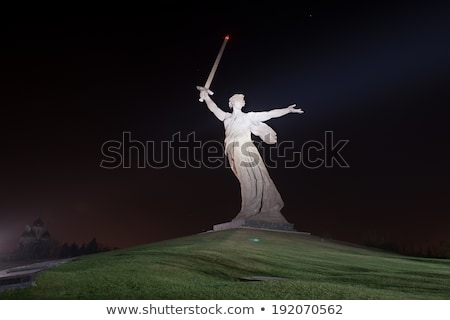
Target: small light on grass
(254,239)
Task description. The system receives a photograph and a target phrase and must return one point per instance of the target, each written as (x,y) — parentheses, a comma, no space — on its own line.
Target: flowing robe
(259,195)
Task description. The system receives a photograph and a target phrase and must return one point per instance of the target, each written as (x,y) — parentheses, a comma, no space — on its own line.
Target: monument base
(255,223)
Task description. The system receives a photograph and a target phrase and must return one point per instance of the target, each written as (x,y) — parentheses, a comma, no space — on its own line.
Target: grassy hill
(221,265)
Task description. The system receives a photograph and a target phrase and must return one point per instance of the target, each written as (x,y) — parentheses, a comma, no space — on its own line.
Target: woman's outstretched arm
(275,113)
(212,106)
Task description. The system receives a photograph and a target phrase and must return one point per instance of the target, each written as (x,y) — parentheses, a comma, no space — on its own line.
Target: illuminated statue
(261,200)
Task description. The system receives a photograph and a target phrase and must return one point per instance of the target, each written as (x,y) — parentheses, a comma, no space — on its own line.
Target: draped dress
(259,195)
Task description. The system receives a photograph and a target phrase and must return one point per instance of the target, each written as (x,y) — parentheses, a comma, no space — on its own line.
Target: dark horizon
(374,74)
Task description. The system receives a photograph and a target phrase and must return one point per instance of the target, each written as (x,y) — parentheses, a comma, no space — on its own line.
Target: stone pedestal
(255,223)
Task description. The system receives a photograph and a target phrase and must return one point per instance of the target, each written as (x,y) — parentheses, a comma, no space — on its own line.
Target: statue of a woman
(260,198)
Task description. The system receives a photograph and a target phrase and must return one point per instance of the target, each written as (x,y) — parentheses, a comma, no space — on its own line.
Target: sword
(214,68)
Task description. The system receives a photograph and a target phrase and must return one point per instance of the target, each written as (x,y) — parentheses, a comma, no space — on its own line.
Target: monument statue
(261,202)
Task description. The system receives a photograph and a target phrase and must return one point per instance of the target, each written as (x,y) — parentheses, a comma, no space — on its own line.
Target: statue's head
(236,101)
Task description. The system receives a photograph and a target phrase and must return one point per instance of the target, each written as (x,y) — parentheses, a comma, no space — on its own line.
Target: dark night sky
(374,73)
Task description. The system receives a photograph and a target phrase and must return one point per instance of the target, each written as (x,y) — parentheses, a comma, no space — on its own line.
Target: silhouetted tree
(92,246)
(82,250)
(74,251)
(65,251)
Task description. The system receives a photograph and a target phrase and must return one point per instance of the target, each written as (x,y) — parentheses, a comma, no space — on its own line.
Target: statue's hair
(234,97)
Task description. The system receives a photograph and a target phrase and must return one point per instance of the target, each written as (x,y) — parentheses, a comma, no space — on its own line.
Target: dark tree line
(75,250)
(440,250)
(49,249)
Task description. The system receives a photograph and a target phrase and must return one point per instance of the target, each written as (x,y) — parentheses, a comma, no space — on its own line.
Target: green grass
(212,265)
